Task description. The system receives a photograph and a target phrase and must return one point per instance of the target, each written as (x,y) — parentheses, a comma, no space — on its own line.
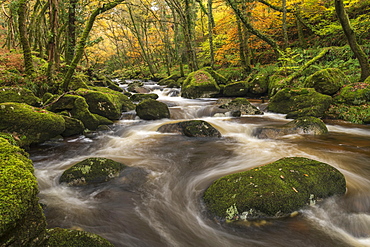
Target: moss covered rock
(199,84)
(77,108)
(106,102)
(359,114)
(22,222)
(142,96)
(236,89)
(151,109)
(327,81)
(91,171)
(33,124)
(299,102)
(193,128)
(170,80)
(220,79)
(58,237)
(19,95)
(259,85)
(242,105)
(273,190)
(73,127)
(302,125)
(354,94)
(276,83)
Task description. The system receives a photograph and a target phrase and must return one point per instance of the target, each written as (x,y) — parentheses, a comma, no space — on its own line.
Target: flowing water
(157,202)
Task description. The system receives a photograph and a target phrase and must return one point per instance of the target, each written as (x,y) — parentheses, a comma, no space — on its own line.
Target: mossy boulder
(299,102)
(327,81)
(169,80)
(142,96)
(135,87)
(91,171)
(258,86)
(236,89)
(32,124)
(106,102)
(354,94)
(151,109)
(220,79)
(192,128)
(199,84)
(276,83)
(242,105)
(58,237)
(302,125)
(22,222)
(273,190)
(19,95)
(73,127)
(79,80)
(77,108)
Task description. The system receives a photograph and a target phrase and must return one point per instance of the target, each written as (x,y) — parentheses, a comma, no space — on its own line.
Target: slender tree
(352,40)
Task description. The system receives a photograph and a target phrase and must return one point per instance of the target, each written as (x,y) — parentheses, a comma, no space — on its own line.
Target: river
(158,203)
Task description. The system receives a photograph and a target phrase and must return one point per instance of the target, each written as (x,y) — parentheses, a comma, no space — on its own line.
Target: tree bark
(211,25)
(352,40)
(23,35)
(71,34)
(83,39)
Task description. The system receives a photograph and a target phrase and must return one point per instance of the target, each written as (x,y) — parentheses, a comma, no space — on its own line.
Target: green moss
(242,105)
(199,84)
(356,114)
(91,171)
(276,189)
(73,127)
(298,102)
(276,83)
(38,125)
(327,81)
(220,79)
(141,96)
(19,95)
(59,237)
(151,109)
(21,219)
(354,94)
(199,128)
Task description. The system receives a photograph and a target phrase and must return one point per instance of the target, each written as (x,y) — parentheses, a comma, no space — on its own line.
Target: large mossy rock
(220,79)
(299,102)
(73,127)
(236,89)
(22,222)
(33,125)
(77,107)
(302,125)
(106,102)
(241,105)
(273,190)
(192,128)
(58,237)
(354,94)
(19,95)
(199,84)
(142,96)
(327,81)
(151,109)
(91,171)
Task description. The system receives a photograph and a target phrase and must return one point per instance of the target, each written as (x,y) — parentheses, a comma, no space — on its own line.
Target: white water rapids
(159,201)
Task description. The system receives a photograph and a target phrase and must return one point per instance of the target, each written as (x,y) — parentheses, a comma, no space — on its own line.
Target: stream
(158,201)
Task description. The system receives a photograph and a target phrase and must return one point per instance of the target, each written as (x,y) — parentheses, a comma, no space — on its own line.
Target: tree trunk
(23,35)
(71,32)
(211,25)
(285,28)
(352,41)
(52,44)
(83,39)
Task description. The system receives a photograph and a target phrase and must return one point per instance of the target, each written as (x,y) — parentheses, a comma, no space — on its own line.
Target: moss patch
(354,94)
(327,81)
(273,190)
(151,109)
(199,84)
(19,95)
(192,128)
(58,237)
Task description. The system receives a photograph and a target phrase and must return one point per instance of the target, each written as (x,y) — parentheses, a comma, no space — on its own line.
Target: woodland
(47,42)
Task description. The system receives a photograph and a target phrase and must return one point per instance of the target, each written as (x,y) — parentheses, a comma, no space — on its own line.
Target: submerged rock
(151,109)
(193,128)
(302,125)
(18,95)
(32,124)
(273,190)
(91,171)
(199,84)
(299,102)
(241,105)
